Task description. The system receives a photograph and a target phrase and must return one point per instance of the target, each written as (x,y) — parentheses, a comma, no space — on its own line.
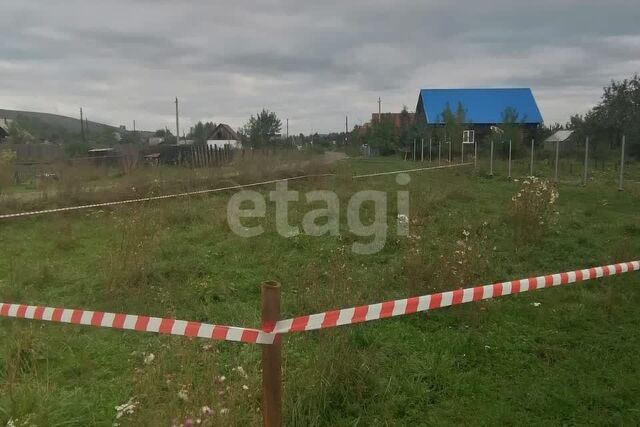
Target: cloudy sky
(311,61)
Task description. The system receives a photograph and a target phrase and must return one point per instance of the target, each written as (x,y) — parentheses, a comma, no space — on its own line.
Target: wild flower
(126,408)
(183,393)
(240,371)
(149,358)
(532,208)
(206,411)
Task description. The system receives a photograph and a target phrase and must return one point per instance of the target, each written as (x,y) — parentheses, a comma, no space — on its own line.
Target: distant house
(564,138)
(484,108)
(4,129)
(223,135)
(101,152)
(155,140)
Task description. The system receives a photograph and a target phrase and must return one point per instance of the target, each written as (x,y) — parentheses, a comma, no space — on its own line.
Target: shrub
(7,158)
(533,209)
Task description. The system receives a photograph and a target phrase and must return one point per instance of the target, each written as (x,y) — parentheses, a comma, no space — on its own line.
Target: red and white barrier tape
(401,307)
(148,199)
(329,319)
(136,323)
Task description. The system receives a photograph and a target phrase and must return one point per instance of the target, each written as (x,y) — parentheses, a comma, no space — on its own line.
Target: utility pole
(82,126)
(379,109)
(86,126)
(346,129)
(287,129)
(134,125)
(177,124)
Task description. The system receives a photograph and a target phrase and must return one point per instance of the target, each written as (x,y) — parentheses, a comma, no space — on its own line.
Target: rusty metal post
(271,358)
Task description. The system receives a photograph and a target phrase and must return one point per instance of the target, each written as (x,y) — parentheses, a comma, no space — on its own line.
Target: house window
(468,137)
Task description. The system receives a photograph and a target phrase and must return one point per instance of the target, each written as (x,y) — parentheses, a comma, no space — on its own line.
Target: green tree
(454,125)
(382,135)
(617,114)
(512,131)
(262,129)
(201,132)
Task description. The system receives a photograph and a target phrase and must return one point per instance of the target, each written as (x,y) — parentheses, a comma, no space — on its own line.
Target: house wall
(221,143)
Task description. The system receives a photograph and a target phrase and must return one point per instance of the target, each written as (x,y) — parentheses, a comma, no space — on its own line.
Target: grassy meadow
(562,356)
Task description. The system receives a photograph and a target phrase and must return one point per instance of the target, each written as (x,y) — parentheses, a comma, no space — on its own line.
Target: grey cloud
(311,61)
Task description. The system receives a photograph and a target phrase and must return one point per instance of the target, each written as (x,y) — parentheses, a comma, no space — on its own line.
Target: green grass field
(572,359)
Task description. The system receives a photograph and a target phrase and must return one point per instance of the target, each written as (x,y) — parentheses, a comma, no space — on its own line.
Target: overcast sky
(311,61)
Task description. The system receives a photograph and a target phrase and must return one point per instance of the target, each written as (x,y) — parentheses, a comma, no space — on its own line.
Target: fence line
(151,198)
(411,170)
(136,323)
(198,192)
(328,319)
(271,330)
(406,306)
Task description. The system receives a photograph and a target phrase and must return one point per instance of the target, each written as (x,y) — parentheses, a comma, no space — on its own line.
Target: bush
(7,158)
(533,209)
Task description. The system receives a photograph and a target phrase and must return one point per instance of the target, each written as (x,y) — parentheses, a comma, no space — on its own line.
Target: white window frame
(469,136)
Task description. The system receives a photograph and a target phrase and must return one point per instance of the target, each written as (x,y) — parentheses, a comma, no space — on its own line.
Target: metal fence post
(509,159)
(557,159)
(475,155)
(430,159)
(439,152)
(586,161)
(462,153)
(532,151)
(491,160)
(422,150)
(271,358)
(450,158)
(622,163)
(414,150)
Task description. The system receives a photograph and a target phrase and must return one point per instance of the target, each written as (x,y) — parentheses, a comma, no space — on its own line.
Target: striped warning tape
(148,199)
(198,192)
(329,319)
(411,170)
(136,323)
(401,307)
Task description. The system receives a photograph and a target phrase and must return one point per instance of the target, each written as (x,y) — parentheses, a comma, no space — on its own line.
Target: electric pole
(82,126)
(346,129)
(134,125)
(177,124)
(379,109)
(287,129)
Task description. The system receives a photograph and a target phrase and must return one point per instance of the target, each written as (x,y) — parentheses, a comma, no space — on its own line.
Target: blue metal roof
(482,106)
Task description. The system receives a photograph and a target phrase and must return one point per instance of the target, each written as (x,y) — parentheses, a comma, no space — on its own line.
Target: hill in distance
(55,122)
